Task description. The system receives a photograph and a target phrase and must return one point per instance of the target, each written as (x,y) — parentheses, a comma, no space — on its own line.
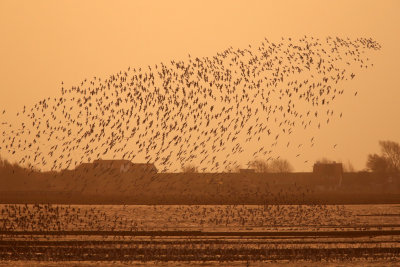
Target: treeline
(267,166)
(388,161)
(258,165)
(7,168)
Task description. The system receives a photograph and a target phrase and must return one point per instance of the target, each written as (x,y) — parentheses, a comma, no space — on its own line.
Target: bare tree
(376,163)
(391,152)
(189,168)
(274,166)
(233,168)
(348,167)
(259,165)
(388,161)
(280,165)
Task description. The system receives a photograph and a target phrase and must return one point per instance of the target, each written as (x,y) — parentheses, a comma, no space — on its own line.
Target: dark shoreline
(74,198)
(347,233)
(67,254)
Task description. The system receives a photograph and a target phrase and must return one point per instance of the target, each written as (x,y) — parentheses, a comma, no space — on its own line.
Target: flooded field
(81,235)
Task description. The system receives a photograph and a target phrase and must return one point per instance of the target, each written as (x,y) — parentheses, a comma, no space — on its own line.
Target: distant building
(247,170)
(328,174)
(123,166)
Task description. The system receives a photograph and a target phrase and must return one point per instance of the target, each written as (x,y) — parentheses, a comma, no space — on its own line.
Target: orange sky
(46,42)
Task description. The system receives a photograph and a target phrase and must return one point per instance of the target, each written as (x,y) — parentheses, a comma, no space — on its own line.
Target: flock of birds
(205,111)
(48,217)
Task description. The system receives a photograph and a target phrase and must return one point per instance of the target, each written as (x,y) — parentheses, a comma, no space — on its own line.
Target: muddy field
(81,235)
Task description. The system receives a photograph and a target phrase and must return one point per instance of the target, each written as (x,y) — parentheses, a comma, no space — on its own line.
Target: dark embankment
(21,197)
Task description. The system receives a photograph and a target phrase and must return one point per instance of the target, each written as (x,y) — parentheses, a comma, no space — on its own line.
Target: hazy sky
(45,42)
